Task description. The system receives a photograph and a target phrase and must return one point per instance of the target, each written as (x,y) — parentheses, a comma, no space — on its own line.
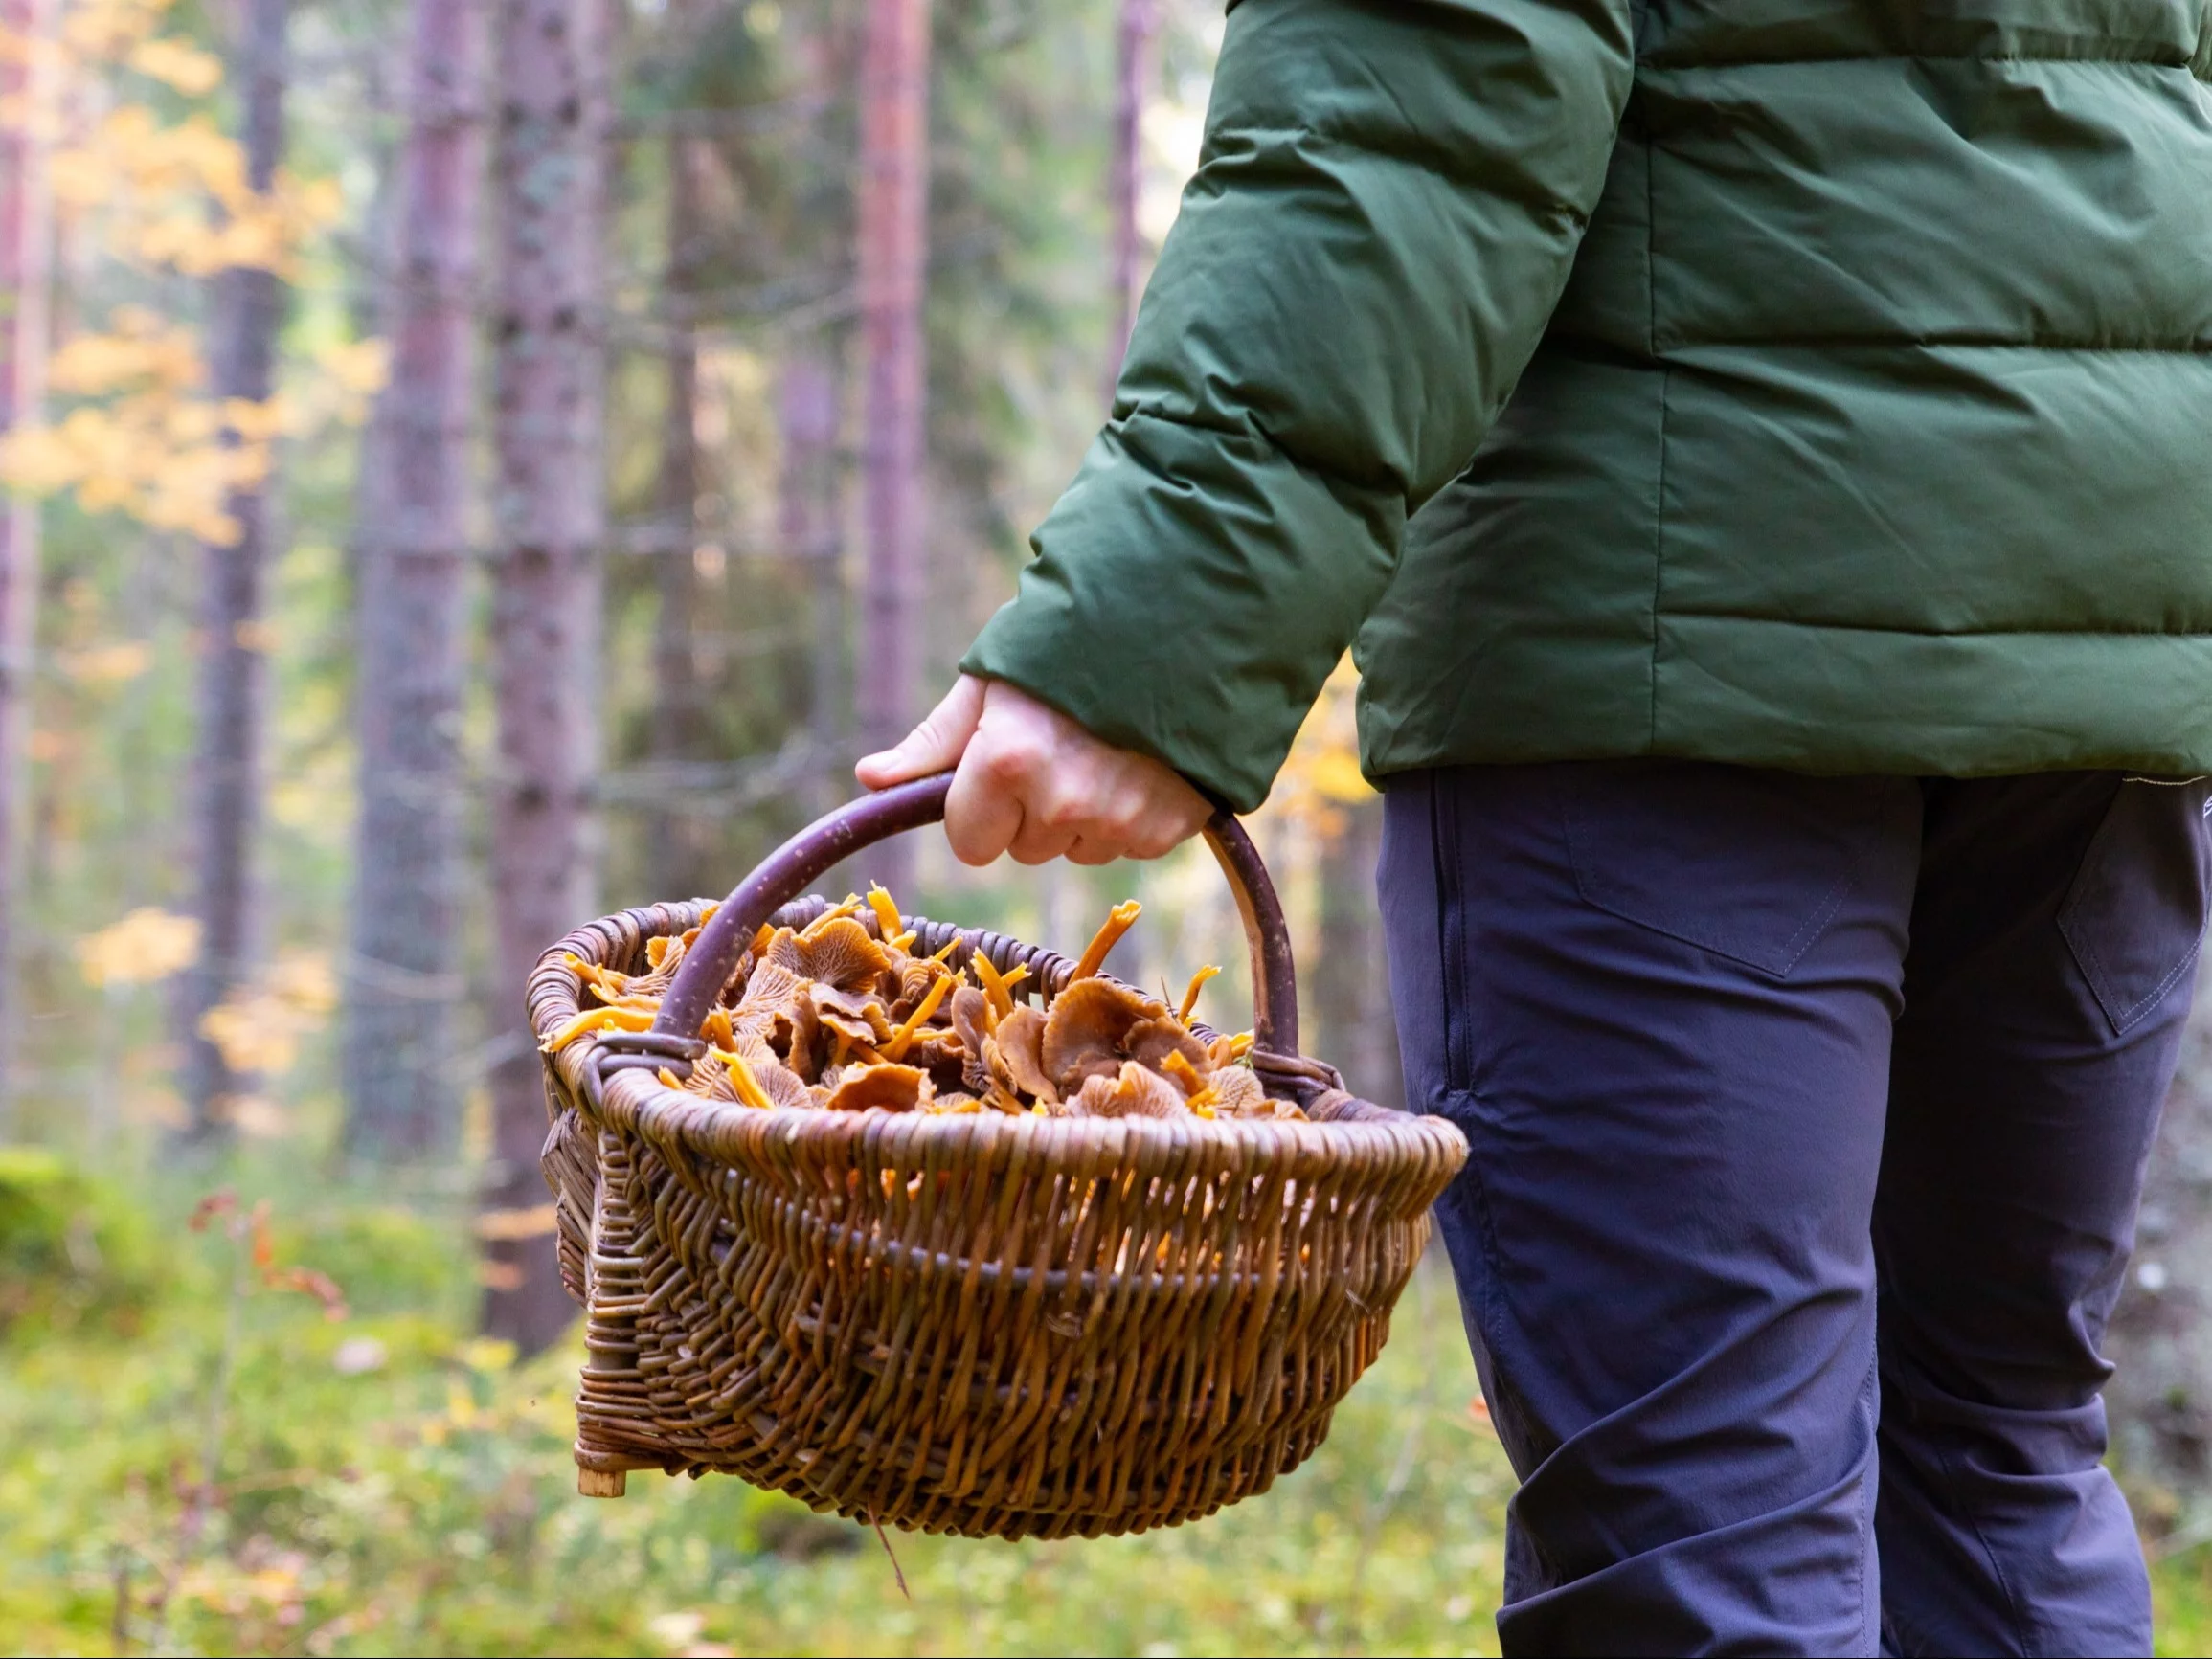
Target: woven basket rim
(646,1103)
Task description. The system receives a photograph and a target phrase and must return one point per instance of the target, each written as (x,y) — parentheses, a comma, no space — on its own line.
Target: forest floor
(390,1484)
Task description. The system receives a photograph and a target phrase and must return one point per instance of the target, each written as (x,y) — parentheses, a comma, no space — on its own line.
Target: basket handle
(800,861)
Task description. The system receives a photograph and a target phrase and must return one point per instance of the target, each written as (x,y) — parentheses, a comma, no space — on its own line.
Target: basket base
(601,1482)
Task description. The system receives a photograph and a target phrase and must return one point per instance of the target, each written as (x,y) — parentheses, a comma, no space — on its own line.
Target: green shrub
(73,1254)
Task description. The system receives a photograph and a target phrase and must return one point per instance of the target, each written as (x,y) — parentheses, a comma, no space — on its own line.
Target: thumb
(935,746)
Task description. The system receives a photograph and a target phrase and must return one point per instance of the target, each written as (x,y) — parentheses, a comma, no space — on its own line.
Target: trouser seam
(1872,1609)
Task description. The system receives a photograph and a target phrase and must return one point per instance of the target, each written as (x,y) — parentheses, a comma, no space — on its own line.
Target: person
(1760,448)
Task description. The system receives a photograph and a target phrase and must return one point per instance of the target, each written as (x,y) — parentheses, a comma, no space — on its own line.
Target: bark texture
(806,412)
(25,240)
(550,511)
(1354,1028)
(1137,34)
(411,617)
(894,251)
(232,737)
(682,843)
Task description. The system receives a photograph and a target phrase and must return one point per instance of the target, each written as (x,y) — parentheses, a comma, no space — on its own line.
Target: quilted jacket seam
(2191,68)
(1832,626)
(1429,157)
(1261,436)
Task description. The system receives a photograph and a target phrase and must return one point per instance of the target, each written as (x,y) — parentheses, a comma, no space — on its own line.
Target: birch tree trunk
(893,259)
(412,615)
(248,305)
(1136,36)
(26,244)
(550,507)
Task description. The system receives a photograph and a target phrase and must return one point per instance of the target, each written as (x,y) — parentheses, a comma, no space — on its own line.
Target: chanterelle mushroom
(1086,1028)
(842,1016)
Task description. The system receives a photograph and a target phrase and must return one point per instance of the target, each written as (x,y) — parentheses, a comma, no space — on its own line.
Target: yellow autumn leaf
(256,422)
(190,71)
(255,1116)
(360,366)
(1334,774)
(147,945)
(303,979)
(37,460)
(113,664)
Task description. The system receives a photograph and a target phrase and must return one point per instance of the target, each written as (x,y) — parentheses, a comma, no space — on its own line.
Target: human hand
(1034,783)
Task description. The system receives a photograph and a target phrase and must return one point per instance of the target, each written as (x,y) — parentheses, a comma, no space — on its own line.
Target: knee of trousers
(1714,1515)
(1754,1421)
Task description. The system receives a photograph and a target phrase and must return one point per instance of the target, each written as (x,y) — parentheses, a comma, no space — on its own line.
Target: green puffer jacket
(1823,384)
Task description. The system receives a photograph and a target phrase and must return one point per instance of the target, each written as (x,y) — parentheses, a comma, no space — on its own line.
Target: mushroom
(972,1021)
(1151,1041)
(885,1087)
(1086,1027)
(1239,1093)
(840,954)
(1019,1049)
(858,1015)
(1109,935)
(1133,1091)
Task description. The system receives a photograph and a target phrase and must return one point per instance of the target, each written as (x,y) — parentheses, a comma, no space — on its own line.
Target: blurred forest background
(476,464)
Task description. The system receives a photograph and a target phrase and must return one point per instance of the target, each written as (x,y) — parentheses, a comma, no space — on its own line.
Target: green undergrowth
(386,1483)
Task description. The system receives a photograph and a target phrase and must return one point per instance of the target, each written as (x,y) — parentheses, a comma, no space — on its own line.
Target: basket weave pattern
(972,1324)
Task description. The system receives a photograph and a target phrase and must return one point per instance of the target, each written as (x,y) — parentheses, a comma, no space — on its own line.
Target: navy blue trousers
(1808,1118)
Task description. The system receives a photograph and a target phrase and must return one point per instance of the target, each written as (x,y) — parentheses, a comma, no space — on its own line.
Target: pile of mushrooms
(837,1018)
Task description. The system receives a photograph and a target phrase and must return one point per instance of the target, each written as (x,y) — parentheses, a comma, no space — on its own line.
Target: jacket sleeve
(1386,205)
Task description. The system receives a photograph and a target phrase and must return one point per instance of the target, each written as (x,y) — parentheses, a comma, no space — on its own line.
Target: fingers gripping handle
(808,856)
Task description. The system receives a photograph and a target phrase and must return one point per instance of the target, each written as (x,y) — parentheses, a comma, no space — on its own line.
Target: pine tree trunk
(412,615)
(550,511)
(1354,1030)
(807,410)
(229,757)
(1135,37)
(892,259)
(681,848)
(26,244)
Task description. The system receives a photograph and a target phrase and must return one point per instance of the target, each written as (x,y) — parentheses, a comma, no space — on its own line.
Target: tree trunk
(411,615)
(806,408)
(1351,981)
(893,259)
(1135,38)
(26,244)
(682,848)
(550,511)
(234,666)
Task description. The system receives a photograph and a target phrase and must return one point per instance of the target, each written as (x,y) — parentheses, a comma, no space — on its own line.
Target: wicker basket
(980,1325)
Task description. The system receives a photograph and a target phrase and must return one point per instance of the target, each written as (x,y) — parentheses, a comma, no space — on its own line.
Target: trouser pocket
(2134,915)
(1750,865)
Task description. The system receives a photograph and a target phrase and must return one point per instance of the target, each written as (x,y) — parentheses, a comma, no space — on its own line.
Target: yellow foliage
(258,1028)
(190,71)
(108,664)
(361,367)
(1334,774)
(174,193)
(147,945)
(142,352)
(1323,774)
(108,29)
